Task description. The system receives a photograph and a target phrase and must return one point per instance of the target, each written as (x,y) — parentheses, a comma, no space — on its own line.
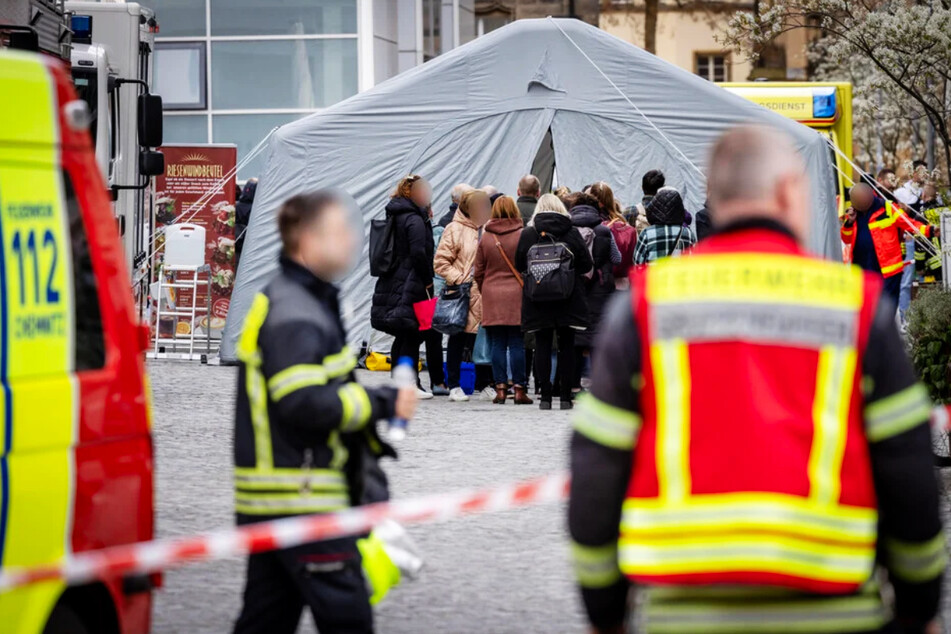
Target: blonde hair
(469,198)
(549,203)
(505,207)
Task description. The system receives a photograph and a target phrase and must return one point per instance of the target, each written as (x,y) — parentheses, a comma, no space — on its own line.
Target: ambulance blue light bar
(823,102)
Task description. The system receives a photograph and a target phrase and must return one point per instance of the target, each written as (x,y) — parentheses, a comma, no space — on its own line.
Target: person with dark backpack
(407,277)
(553,260)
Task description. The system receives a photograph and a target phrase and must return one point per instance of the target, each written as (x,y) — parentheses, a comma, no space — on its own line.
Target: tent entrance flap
(544,164)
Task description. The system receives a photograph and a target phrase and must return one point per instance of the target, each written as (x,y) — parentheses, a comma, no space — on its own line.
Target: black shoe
(566,404)
(544,404)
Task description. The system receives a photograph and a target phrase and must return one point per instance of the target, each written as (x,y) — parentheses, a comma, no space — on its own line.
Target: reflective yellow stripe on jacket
(264,489)
(305,375)
(356,407)
(606,424)
(917,562)
(248,352)
(897,413)
(596,566)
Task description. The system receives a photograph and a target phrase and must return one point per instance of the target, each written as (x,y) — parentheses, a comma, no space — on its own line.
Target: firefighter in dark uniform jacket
(755,453)
(305,440)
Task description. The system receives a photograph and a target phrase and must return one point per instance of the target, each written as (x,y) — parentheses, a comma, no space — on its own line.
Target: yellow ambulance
(824,106)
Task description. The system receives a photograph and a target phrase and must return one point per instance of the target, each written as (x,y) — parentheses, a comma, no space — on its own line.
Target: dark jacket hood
(667,208)
(247,194)
(552,222)
(585,216)
(242,207)
(501,226)
(400,205)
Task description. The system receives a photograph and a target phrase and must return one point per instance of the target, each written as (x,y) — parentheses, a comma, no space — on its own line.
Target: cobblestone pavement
(506,572)
(499,573)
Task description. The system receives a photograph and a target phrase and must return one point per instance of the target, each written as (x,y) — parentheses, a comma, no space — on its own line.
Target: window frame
(711,57)
(202,47)
(211,21)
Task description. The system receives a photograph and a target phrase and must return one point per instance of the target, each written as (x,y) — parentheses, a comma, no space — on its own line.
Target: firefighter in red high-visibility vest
(874,230)
(755,447)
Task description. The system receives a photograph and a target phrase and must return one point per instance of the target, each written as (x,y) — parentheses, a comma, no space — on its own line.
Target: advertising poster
(191,174)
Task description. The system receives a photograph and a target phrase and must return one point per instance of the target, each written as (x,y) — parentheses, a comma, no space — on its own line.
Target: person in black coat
(411,280)
(586,216)
(704,223)
(565,317)
(242,216)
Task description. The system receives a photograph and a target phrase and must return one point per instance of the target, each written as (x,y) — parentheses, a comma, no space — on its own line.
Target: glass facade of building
(230,70)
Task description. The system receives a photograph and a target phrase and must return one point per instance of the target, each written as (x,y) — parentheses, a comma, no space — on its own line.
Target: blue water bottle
(404,375)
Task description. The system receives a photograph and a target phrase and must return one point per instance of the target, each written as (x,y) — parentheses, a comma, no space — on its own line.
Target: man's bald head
(862,196)
(756,172)
(529,185)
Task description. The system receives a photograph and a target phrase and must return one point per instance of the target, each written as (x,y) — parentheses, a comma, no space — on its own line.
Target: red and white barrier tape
(157,555)
(162,554)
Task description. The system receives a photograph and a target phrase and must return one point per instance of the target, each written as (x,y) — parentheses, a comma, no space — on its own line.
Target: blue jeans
(907,279)
(507,344)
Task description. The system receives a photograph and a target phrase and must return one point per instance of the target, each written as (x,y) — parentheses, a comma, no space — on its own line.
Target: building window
(179,18)
(246,131)
(283,17)
(179,75)
(230,70)
(190,128)
(431,28)
(712,66)
(491,16)
(282,74)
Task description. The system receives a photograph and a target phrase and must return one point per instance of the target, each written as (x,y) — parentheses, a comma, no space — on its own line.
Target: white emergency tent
(482,113)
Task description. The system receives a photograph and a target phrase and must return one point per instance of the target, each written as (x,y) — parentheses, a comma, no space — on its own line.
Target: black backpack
(382,246)
(551,271)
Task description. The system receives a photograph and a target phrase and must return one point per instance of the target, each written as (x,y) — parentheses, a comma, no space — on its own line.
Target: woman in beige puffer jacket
(455,263)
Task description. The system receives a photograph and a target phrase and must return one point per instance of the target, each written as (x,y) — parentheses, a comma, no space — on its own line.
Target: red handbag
(424,312)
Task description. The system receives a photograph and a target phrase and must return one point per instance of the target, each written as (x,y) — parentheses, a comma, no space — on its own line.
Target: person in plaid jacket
(667,234)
